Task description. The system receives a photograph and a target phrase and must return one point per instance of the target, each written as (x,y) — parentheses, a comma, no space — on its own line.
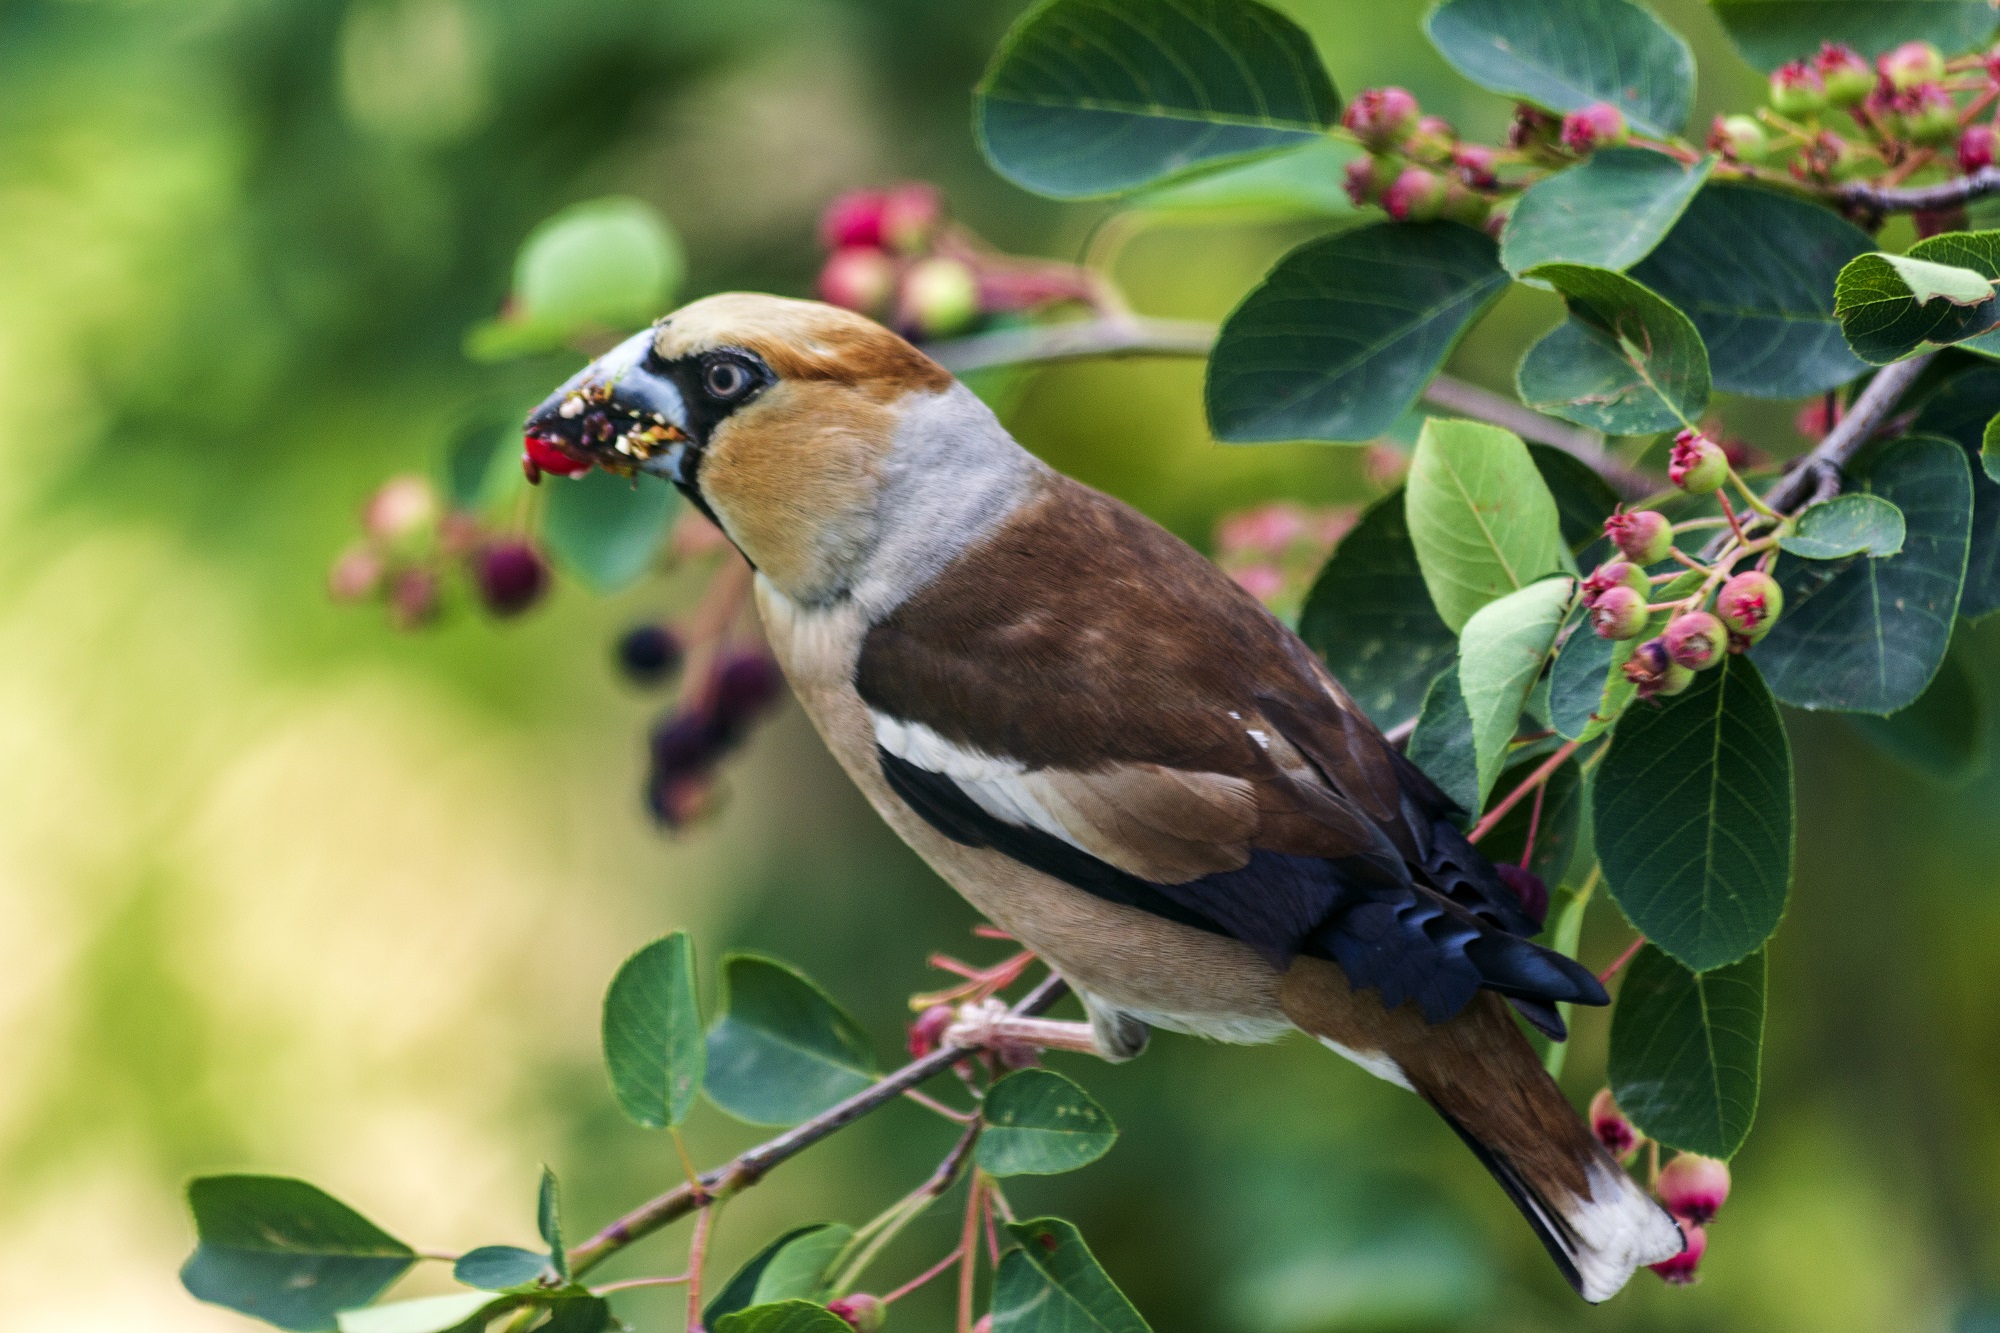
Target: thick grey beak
(615,412)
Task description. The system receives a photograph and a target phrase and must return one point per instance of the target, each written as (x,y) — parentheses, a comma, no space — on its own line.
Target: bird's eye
(726,379)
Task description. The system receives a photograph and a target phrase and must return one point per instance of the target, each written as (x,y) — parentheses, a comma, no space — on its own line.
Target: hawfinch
(1116,754)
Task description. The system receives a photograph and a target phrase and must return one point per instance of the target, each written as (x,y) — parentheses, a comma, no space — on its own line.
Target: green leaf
(1694,818)
(605,528)
(1685,1049)
(1565,54)
(1989,450)
(1583,499)
(1341,337)
(653,1044)
(1772,32)
(784,1317)
(1755,271)
(801,1268)
(548,1220)
(1370,617)
(782,1051)
(481,450)
(1587,686)
(1293,185)
(1442,743)
(459,1312)
(498,1267)
(1857,524)
(1891,305)
(1609,213)
(1501,653)
(1944,733)
(1482,522)
(605,265)
(1038,1123)
(577,1314)
(1557,834)
(1625,361)
(1096,97)
(741,1291)
(286,1252)
(1868,637)
(1959,411)
(1053,1284)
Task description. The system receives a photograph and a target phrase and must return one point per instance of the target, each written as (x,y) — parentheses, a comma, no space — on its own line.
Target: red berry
(1697,464)
(1417,195)
(1619,613)
(927,1032)
(855,218)
(1680,1270)
(1610,1126)
(1589,128)
(1975,148)
(910,216)
(1381,117)
(1696,640)
(862,1311)
(547,453)
(859,277)
(1694,1188)
(511,576)
(1643,536)
(1749,604)
(1797,90)
(1843,73)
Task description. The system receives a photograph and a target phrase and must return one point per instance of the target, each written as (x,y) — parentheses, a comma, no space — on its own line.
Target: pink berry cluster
(410,545)
(1274,550)
(894,255)
(1897,115)
(1691,1187)
(1618,593)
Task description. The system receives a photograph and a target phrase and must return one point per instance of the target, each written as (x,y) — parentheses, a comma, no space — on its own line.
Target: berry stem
(1529,784)
(914,1283)
(1534,824)
(968,1246)
(627,1284)
(1618,963)
(704,1224)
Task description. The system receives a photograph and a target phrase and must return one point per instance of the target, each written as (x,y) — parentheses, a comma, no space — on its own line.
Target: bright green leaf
(1755,271)
(286,1252)
(605,265)
(1039,1123)
(1609,212)
(1501,652)
(1685,1050)
(459,1312)
(1341,337)
(782,1051)
(1944,733)
(1867,637)
(1053,1284)
(1370,617)
(1096,97)
(1583,499)
(740,1292)
(1483,523)
(548,1220)
(1772,32)
(605,528)
(1694,818)
(1442,743)
(1857,524)
(498,1267)
(1625,362)
(1961,411)
(1891,305)
(801,1267)
(784,1317)
(1294,185)
(653,1043)
(1989,450)
(1565,54)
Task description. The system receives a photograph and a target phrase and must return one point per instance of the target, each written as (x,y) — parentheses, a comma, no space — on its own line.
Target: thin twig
(1855,429)
(968,1245)
(1618,963)
(1530,783)
(909,1208)
(921,1278)
(678,1280)
(1911,199)
(704,1224)
(748,1168)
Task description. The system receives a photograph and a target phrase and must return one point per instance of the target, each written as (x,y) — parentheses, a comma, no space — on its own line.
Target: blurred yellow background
(282,889)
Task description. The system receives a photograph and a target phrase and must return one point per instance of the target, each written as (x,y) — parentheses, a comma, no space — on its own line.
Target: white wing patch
(1000,787)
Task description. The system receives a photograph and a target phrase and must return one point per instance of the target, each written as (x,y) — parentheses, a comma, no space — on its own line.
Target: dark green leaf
(653,1045)
(784,1317)
(1565,54)
(1481,519)
(1442,743)
(459,1312)
(1038,1123)
(1294,185)
(1096,97)
(1989,450)
(1501,653)
(1583,499)
(1891,305)
(1625,361)
(605,528)
(1370,616)
(605,265)
(286,1252)
(578,1314)
(1856,524)
(498,1267)
(473,458)
(741,1290)
(1867,638)
(1685,1050)
(1944,733)
(1694,818)
(1610,212)
(548,1220)
(1959,411)
(1341,337)
(1053,1284)
(1755,270)
(782,1051)
(1772,32)
(1557,833)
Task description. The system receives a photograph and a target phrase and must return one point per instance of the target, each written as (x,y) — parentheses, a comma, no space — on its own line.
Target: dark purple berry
(512,577)
(745,685)
(650,654)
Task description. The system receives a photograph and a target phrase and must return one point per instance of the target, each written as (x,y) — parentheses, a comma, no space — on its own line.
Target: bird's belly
(1159,970)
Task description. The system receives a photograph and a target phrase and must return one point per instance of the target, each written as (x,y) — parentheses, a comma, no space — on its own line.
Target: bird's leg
(1109,1035)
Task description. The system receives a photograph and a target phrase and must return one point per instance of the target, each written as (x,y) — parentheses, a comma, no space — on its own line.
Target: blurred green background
(283,889)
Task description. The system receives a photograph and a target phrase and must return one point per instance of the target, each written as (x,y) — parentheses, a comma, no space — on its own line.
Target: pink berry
(1929,116)
(1417,195)
(1749,604)
(1696,640)
(1653,671)
(357,574)
(859,277)
(1975,148)
(1843,73)
(1615,574)
(939,297)
(1589,128)
(1619,613)
(855,218)
(413,598)
(1643,536)
(1610,1126)
(1680,1270)
(1797,90)
(399,508)
(1697,463)
(863,1312)
(1381,117)
(927,1032)
(1911,64)
(910,216)
(512,576)
(1475,165)
(1694,1188)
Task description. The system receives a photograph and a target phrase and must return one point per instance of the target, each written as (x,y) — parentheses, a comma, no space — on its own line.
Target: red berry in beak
(543,453)
(1694,1188)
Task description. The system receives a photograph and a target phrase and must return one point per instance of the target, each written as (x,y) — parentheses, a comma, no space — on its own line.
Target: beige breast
(1163,971)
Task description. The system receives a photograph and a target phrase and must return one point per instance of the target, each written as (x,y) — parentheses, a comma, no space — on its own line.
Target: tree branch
(749,1167)
(1119,335)
(1855,429)
(1915,198)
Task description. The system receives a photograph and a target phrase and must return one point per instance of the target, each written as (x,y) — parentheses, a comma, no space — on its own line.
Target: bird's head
(787,422)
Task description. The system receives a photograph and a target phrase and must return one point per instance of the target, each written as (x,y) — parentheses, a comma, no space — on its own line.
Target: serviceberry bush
(1579,609)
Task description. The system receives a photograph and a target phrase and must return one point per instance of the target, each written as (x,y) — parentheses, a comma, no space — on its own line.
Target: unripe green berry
(1796,90)
(1740,139)
(1846,76)
(1619,613)
(1615,574)
(939,297)
(1697,464)
(1696,640)
(1749,604)
(1911,64)
(1644,536)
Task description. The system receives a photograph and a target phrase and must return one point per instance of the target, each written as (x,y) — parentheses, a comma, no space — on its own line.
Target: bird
(1113,752)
